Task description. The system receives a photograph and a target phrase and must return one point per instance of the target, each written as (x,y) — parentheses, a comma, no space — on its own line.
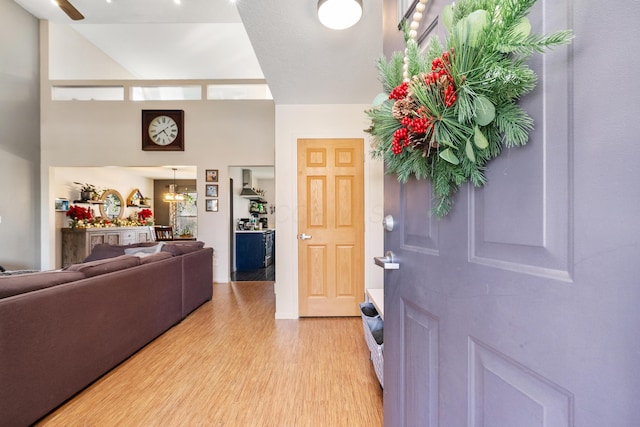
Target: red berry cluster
(450,95)
(400,140)
(416,125)
(399,92)
(440,67)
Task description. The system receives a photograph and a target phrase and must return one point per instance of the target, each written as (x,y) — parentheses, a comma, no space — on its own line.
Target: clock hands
(163,131)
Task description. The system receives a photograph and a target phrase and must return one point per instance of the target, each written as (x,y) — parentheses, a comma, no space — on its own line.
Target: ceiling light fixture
(173,196)
(339,14)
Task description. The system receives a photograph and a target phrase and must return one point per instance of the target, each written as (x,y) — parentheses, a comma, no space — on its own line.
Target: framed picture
(211,175)
(212,190)
(212,205)
(62,205)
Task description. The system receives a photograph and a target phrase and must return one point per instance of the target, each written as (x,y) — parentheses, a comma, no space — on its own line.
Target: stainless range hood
(247,191)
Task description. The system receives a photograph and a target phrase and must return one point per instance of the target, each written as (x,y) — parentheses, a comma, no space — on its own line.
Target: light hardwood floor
(230,363)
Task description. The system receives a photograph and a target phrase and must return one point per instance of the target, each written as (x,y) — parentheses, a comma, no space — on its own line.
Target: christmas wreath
(448,111)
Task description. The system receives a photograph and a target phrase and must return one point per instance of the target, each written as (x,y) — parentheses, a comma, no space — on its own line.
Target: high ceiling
(281,41)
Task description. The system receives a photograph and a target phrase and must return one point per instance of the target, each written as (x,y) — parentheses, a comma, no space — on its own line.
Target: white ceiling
(281,41)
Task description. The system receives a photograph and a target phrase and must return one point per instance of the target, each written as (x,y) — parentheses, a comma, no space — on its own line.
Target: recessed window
(87,93)
(166,93)
(246,91)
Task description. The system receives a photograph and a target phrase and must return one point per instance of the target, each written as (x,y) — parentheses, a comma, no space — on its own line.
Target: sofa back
(57,340)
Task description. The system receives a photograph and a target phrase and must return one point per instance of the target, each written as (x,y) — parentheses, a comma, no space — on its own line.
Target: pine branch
(514,123)
(535,43)
(390,73)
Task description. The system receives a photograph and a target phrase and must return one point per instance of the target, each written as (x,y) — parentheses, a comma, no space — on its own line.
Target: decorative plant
(80,217)
(447,112)
(89,190)
(145,216)
(86,188)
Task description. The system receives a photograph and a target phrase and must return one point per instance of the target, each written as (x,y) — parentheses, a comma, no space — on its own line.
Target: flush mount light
(339,14)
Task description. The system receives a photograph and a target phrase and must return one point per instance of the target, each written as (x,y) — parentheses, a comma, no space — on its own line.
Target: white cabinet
(77,243)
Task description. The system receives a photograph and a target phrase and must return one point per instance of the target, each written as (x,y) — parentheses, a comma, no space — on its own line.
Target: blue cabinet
(249,251)
(254,250)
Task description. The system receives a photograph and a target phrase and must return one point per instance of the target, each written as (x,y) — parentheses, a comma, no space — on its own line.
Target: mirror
(112,206)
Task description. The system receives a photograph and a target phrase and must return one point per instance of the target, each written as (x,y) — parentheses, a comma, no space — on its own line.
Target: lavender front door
(521,308)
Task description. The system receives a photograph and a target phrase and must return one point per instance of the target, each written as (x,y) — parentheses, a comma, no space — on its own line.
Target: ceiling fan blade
(70,10)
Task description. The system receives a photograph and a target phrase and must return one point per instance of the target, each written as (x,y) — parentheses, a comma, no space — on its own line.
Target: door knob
(388,223)
(304,236)
(388,261)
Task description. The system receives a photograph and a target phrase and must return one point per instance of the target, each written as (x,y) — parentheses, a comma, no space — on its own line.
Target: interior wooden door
(520,308)
(330,226)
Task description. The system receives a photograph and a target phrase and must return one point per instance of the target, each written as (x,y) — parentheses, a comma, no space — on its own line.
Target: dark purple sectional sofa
(62,330)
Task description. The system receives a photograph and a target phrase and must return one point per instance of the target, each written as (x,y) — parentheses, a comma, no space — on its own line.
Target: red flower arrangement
(144,214)
(80,217)
(79,213)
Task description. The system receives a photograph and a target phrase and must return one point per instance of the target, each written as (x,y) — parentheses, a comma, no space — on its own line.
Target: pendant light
(339,14)
(173,196)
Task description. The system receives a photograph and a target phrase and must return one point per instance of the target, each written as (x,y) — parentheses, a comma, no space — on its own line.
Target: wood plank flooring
(230,363)
(267,274)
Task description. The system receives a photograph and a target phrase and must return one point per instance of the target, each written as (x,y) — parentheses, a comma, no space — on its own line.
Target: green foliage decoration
(458,106)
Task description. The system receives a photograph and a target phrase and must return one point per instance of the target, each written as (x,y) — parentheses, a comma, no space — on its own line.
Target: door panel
(520,307)
(331,198)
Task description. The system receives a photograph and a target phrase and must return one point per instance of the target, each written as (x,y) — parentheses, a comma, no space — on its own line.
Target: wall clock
(163,130)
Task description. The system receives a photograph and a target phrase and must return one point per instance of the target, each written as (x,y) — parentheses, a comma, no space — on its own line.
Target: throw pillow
(144,250)
(105,250)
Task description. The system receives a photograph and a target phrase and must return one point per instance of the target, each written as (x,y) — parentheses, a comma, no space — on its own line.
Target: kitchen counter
(255,231)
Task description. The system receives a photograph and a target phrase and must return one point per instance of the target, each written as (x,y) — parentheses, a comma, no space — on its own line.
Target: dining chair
(163,233)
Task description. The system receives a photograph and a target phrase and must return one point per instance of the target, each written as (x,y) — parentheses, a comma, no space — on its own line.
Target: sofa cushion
(103,266)
(19,284)
(147,258)
(144,249)
(105,250)
(181,248)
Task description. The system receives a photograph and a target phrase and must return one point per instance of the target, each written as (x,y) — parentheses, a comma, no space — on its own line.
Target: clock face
(163,130)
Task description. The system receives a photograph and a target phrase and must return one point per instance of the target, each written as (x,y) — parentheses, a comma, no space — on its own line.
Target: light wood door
(331,212)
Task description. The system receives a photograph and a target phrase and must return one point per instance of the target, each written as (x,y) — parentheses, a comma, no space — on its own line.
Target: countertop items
(255,231)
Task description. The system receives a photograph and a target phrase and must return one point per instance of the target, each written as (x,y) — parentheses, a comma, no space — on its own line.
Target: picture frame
(211,175)
(212,190)
(212,205)
(62,205)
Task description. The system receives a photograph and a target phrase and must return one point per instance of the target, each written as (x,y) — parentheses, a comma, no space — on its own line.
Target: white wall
(319,121)
(77,59)
(19,138)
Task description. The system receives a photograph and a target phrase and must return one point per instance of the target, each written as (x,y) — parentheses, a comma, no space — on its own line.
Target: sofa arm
(197,279)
